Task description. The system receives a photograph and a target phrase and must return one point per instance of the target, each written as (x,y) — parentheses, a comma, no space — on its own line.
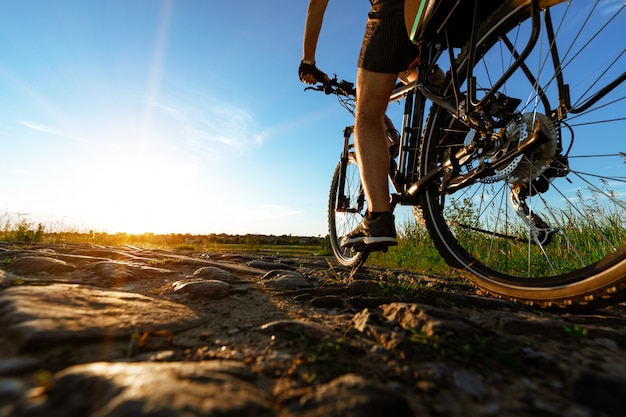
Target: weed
(576,332)
(325,358)
(403,285)
(324,351)
(319,358)
(43,378)
(23,231)
(466,350)
(336,277)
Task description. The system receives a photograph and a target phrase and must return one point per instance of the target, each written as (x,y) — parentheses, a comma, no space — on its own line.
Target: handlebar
(333,86)
(346,89)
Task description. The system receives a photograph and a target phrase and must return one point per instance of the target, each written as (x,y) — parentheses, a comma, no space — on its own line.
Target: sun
(134,191)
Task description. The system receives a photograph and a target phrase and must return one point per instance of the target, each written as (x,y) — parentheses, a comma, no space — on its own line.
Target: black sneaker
(378,232)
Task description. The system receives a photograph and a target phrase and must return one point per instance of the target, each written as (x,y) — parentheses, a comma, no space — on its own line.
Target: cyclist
(386,52)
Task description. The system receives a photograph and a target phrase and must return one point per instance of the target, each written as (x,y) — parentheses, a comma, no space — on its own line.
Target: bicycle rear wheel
(550,226)
(346,208)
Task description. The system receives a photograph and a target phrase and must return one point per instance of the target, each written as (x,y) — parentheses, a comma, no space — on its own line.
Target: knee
(372,110)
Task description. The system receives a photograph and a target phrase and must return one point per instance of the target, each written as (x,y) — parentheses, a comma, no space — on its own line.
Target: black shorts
(386,45)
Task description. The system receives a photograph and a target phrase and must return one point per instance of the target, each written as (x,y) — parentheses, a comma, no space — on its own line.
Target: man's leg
(371,143)
(372,151)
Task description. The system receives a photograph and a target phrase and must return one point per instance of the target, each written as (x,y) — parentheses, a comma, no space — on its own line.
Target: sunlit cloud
(46,130)
(210,130)
(36,127)
(612,6)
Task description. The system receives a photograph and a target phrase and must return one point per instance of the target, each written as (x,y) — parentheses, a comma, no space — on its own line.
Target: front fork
(343,203)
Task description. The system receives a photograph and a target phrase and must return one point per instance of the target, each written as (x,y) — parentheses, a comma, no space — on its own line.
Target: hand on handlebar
(310,74)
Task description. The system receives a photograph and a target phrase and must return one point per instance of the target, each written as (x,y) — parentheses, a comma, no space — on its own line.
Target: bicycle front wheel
(549,226)
(346,208)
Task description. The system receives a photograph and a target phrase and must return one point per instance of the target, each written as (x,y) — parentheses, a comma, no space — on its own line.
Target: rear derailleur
(540,232)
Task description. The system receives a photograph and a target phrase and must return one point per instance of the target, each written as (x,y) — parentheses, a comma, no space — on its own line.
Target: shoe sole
(369,242)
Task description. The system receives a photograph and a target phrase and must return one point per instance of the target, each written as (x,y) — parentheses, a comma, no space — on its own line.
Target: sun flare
(134,191)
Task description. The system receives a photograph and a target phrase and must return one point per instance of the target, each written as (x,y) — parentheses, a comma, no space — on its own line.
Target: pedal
(359,247)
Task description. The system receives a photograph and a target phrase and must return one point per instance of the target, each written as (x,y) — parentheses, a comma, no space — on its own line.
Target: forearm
(312,28)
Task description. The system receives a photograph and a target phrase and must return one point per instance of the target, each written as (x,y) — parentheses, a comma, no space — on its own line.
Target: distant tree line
(27,231)
(38,234)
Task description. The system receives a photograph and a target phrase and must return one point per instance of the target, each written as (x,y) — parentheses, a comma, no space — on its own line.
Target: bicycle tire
(343,220)
(583,263)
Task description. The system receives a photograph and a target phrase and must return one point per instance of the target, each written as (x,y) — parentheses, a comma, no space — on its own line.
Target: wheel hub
(529,166)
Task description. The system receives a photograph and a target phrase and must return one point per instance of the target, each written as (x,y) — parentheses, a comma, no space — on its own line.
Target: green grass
(582,239)
(415,252)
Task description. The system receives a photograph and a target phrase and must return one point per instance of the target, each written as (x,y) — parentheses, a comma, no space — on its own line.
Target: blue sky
(170,116)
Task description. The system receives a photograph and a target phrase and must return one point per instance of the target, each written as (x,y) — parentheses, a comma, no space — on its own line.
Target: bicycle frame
(470,110)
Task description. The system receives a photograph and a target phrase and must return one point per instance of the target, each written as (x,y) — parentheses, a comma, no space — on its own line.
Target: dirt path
(118,331)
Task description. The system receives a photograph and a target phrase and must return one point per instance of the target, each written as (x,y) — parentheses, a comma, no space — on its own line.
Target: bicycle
(502,169)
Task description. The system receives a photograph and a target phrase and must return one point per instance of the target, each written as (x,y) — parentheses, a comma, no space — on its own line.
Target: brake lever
(326,87)
(316,88)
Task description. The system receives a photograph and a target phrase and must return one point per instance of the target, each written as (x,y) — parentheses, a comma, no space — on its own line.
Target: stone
(215,273)
(363,319)
(117,274)
(208,388)
(529,324)
(18,365)
(102,253)
(268,265)
(39,315)
(429,319)
(7,279)
(11,388)
(602,393)
(32,265)
(470,383)
(299,328)
(328,301)
(365,286)
(352,395)
(285,280)
(203,289)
